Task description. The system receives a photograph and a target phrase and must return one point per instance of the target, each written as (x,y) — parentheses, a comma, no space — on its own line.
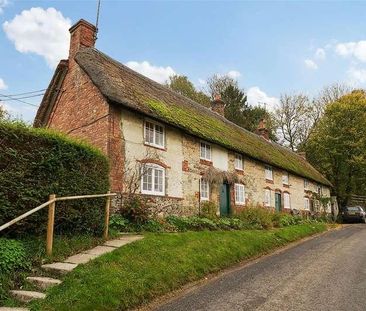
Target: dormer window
(239,162)
(154,134)
(205,151)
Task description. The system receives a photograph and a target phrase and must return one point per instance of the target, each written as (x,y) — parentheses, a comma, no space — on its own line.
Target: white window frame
(204,183)
(286,202)
(267,192)
(268,172)
(154,168)
(239,194)
(239,162)
(206,155)
(155,125)
(306,184)
(286,178)
(306,204)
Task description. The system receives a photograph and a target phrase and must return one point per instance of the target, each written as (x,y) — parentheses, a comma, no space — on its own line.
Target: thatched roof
(125,87)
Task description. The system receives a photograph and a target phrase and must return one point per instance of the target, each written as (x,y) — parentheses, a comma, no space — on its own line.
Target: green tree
(3,113)
(183,86)
(337,145)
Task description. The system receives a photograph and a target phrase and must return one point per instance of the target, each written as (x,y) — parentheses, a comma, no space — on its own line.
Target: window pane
(147,179)
(203,151)
(238,162)
(204,189)
(208,152)
(159,135)
(149,132)
(158,180)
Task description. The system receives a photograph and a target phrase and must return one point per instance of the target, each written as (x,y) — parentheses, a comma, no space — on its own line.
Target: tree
(337,145)
(183,86)
(3,113)
(217,84)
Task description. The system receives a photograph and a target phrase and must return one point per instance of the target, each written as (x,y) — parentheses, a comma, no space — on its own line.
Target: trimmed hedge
(37,162)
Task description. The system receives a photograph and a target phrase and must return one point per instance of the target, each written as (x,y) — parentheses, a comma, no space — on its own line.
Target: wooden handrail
(51,203)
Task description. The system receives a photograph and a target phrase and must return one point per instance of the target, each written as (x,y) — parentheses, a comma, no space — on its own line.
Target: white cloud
(320,54)
(201,82)
(257,97)
(357,76)
(234,74)
(352,49)
(311,64)
(40,31)
(158,74)
(3,85)
(3,4)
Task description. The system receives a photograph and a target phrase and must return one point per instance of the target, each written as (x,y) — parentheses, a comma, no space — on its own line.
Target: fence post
(50,225)
(106,220)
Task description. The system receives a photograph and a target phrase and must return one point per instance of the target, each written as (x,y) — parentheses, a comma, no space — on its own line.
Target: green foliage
(128,278)
(119,223)
(12,256)
(337,145)
(135,210)
(259,217)
(209,210)
(37,162)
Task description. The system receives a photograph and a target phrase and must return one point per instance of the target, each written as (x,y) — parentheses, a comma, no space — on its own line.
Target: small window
(306,204)
(239,194)
(306,184)
(267,197)
(319,190)
(239,162)
(204,190)
(154,134)
(285,178)
(153,179)
(269,172)
(286,200)
(205,151)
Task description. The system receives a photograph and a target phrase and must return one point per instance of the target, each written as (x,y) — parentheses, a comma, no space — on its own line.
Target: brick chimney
(302,154)
(83,34)
(262,129)
(218,105)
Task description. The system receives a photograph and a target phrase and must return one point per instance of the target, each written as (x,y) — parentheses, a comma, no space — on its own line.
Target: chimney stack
(218,105)
(302,154)
(262,129)
(82,35)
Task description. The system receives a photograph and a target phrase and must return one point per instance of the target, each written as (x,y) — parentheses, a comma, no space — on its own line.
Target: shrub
(12,256)
(256,216)
(117,222)
(209,210)
(37,162)
(135,210)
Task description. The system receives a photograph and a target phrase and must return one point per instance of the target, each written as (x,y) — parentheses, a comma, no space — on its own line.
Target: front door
(278,201)
(224,200)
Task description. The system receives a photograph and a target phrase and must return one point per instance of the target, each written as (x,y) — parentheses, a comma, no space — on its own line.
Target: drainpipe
(199,197)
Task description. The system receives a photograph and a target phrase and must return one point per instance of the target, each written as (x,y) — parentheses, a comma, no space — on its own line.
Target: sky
(271,48)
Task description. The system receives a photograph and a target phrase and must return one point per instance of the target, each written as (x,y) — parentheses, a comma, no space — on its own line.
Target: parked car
(353,213)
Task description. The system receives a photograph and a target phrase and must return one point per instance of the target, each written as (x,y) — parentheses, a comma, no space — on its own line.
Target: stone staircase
(42,283)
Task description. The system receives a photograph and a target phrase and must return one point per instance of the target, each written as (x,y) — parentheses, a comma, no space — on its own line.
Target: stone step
(13,309)
(26,295)
(123,241)
(59,267)
(43,282)
(100,250)
(80,258)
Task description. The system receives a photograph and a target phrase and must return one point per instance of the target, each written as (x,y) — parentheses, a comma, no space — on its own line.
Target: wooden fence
(51,203)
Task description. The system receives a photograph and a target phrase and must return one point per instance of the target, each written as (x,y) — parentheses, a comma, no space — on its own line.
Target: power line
(25,93)
(19,100)
(24,97)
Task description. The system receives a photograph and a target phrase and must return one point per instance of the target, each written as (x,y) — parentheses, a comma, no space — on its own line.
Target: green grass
(139,272)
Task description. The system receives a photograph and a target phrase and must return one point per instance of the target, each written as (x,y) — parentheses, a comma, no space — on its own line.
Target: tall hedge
(37,162)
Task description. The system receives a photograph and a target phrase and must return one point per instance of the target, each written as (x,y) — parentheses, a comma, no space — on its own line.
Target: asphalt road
(324,273)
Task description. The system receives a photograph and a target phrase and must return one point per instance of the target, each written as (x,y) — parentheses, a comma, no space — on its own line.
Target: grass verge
(139,272)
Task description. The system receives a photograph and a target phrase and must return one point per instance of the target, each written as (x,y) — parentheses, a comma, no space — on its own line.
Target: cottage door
(278,201)
(224,200)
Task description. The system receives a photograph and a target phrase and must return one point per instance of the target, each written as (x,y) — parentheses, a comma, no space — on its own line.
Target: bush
(256,217)
(37,162)
(209,210)
(119,223)
(13,256)
(135,210)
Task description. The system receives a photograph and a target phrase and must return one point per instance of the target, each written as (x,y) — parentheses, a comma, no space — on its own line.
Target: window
(154,134)
(153,179)
(239,194)
(286,200)
(239,162)
(205,152)
(267,197)
(269,172)
(306,204)
(204,190)
(285,178)
(306,184)
(319,189)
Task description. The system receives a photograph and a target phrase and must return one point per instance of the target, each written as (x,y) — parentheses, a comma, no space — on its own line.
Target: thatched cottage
(166,147)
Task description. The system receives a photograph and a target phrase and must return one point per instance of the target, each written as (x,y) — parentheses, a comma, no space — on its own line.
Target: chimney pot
(262,129)
(218,105)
